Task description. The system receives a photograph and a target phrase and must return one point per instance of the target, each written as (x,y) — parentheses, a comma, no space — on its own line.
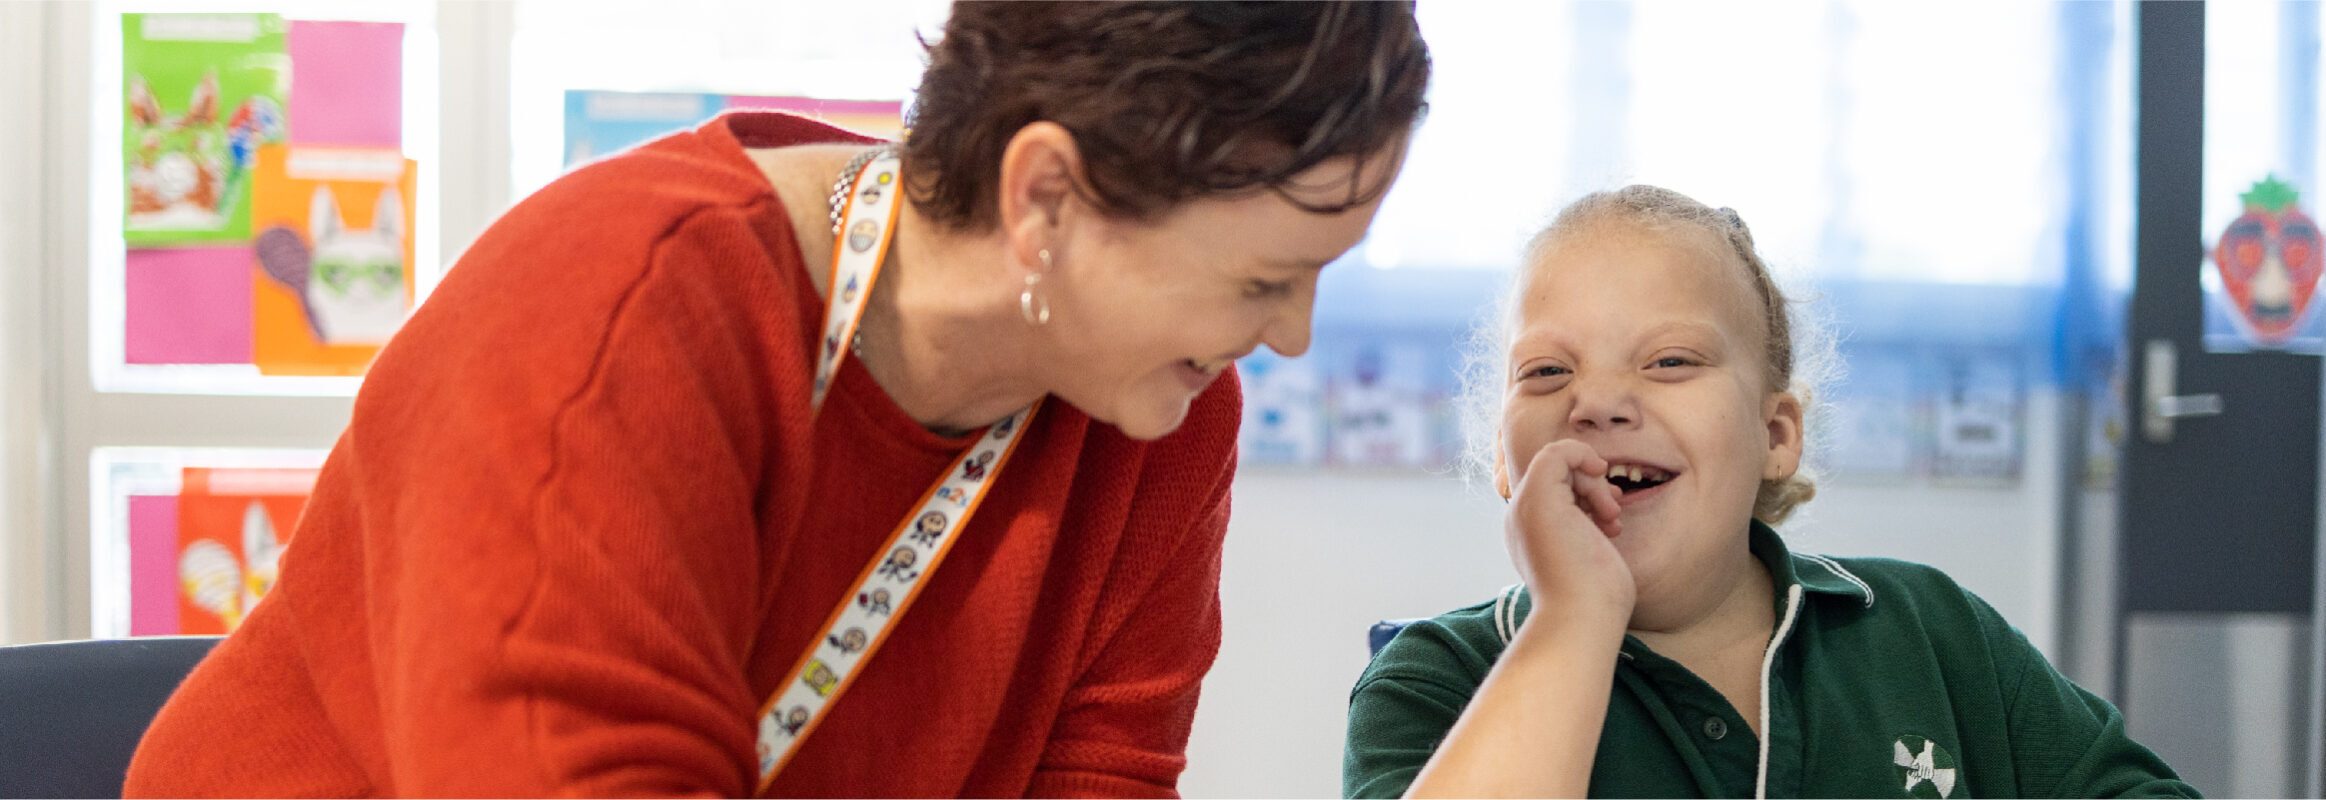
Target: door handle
(2159,407)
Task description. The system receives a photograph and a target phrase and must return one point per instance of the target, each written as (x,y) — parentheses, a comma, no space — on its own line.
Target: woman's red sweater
(582,523)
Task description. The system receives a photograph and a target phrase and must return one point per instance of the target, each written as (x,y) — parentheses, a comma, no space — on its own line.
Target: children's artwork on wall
(599,123)
(232,527)
(1877,429)
(2104,428)
(1977,416)
(1382,408)
(153,565)
(883,119)
(187,305)
(201,93)
(347,83)
(1283,411)
(334,254)
(238,130)
(603,123)
(2261,287)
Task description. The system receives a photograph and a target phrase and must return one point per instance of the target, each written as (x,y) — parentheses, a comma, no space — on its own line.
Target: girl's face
(1647,346)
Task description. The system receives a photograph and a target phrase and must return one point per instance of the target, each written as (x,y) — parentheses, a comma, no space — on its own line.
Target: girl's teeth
(1635,472)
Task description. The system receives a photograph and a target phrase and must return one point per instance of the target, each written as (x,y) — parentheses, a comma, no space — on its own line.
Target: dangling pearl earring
(1032,306)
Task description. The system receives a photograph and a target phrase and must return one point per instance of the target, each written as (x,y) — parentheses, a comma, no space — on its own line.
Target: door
(2219,502)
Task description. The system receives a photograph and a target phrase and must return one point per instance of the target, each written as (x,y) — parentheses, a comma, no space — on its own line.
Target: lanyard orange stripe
(830,664)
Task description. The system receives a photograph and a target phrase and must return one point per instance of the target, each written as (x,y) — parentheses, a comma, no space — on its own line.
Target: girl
(1651,433)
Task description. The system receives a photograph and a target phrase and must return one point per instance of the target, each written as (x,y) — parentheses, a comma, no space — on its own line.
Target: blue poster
(602,123)
(1283,411)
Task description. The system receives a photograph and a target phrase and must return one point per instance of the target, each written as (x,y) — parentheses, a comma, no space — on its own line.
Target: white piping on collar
(1837,569)
(1506,617)
(1506,613)
(1768,663)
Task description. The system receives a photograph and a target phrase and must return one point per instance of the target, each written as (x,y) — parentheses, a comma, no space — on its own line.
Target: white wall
(1315,558)
(22,555)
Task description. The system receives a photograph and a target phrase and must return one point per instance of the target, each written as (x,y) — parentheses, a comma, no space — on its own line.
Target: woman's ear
(1040,168)
(1782,414)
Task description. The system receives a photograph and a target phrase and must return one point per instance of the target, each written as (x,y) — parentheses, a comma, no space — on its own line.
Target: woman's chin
(1150,416)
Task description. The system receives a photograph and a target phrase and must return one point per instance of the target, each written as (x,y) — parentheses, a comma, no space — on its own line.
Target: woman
(660,492)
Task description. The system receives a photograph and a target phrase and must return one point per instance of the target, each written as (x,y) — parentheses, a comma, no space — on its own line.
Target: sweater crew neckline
(730,135)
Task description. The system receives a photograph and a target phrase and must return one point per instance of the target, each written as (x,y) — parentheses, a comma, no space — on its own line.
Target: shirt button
(1714,728)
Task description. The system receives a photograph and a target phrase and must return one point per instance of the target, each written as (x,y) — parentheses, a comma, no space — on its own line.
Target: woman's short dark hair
(1167,101)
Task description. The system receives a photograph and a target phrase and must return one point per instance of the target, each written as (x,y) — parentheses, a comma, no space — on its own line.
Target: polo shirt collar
(1815,574)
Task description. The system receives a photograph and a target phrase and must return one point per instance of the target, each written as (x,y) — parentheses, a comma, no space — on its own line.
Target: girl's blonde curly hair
(1798,358)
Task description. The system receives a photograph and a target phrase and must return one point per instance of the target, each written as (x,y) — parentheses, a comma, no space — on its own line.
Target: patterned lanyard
(888,585)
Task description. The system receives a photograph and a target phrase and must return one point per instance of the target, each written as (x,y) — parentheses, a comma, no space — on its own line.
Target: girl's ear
(1782,415)
(1501,469)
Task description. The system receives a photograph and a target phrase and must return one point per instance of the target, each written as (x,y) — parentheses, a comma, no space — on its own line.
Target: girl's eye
(1262,289)
(1544,371)
(1673,361)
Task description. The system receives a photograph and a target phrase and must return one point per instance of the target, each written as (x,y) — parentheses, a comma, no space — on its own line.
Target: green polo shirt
(1888,680)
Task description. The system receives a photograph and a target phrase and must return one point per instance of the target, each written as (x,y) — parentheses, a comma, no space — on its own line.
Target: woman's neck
(941,332)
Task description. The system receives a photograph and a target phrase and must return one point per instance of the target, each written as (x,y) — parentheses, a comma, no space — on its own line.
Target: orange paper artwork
(233,525)
(333,240)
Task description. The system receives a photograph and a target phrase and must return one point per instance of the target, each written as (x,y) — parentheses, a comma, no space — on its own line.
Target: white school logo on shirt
(1928,769)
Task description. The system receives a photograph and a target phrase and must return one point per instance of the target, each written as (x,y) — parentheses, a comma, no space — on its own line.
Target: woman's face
(1647,347)
(1146,314)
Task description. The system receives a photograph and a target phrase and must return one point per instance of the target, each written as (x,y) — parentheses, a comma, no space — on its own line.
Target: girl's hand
(1532,729)
(1563,518)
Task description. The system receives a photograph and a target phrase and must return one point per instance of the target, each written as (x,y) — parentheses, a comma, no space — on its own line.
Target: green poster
(200,93)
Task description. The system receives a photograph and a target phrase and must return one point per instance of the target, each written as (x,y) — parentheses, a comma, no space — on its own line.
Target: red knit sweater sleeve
(1123,728)
(560,514)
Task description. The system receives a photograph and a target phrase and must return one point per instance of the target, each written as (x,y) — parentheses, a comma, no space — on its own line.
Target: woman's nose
(1288,332)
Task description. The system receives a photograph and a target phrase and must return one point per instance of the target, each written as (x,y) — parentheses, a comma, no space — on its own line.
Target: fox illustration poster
(334,248)
(200,94)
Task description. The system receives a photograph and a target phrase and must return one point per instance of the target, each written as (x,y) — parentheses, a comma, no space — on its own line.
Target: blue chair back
(71,713)
(1384,631)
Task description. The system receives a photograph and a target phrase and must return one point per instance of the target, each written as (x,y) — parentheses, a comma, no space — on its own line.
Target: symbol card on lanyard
(865,231)
(888,585)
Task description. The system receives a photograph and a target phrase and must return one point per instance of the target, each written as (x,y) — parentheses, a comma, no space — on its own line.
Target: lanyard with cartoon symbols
(888,585)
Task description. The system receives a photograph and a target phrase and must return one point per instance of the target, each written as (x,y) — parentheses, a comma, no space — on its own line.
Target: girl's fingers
(1592,464)
(1585,473)
(1605,507)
